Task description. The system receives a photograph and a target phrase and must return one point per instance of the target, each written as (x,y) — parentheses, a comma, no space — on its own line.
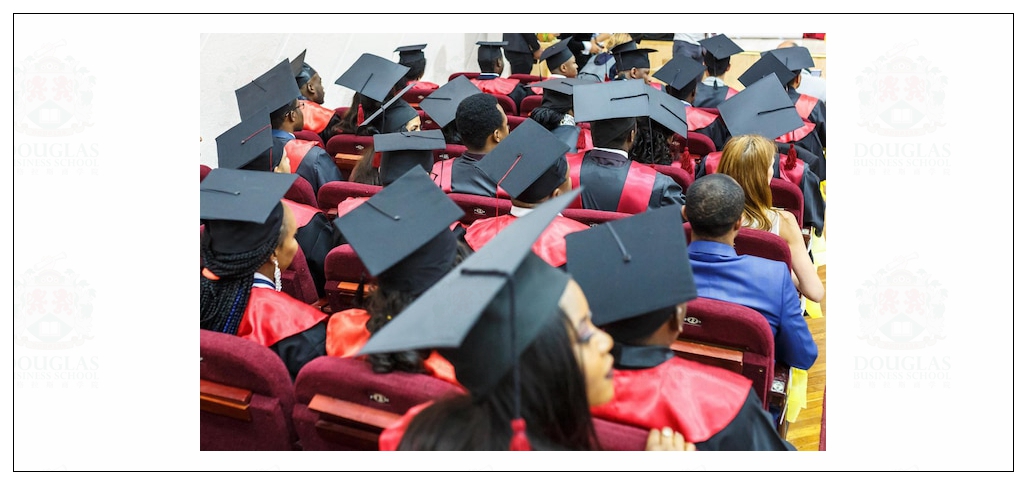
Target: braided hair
(223,300)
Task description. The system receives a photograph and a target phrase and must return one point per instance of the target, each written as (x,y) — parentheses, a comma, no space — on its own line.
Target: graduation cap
(269,92)
(720,46)
(396,115)
(613,107)
(398,220)
(762,108)
(400,152)
(301,70)
(556,54)
(634,271)
(628,56)
(667,111)
(441,105)
(765,66)
(484,313)
(528,164)
(242,208)
(249,145)
(558,91)
(680,71)
(489,51)
(372,76)
(794,58)
(409,54)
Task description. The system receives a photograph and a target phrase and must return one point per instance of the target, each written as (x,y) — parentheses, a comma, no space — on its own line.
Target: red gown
(272,316)
(550,246)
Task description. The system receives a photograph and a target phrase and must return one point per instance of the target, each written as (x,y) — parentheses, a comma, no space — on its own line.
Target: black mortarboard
(489,51)
(301,70)
(628,56)
(794,58)
(269,92)
(248,145)
(528,164)
(441,105)
(680,71)
(372,76)
(410,53)
(720,46)
(558,92)
(568,135)
(633,270)
(400,152)
(556,54)
(762,108)
(397,115)
(466,315)
(765,66)
(398,220)
(667,111)
(241,208)
(612,107)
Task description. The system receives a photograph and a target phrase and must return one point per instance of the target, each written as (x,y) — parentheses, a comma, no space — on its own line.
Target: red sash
(272,316)
(315,116)
(797,134)
(712,160)
(301,211)
(573,161)
(347,205)
(499,85)
(550,245)
(730,93)
(698,119)
(584,142)
(805,104)
(297,150)
(442,174)
(637,189)
(424,85)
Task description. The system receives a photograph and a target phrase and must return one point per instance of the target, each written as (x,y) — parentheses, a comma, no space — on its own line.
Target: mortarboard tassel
(519,440)
(359,114)
(685,161)
(792,158)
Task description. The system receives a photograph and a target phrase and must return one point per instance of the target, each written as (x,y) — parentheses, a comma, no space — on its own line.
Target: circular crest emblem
(901,308)
(53,94)
(52,308)
(901,94)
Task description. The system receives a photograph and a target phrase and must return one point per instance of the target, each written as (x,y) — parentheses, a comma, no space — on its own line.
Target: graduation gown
(492,84)
(707,96)
(347,334)
(317,236)
(810,109)
(309,161)
(715,409)
(709,124)
(550,246)
(293,330)
(615,184)
(461,175)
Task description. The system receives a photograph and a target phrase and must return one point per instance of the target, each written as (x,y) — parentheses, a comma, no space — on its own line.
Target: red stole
(550,246)
(391,436)
(297,150)
(698,119)
(637,189)
(584,142)
(441,172)
(798,134)
(315,116)
(499,85)
(424,85)
(730,93)
(695,399)
(805,104)
(712,160)
(272,316)
(573,161)
(301,211)
(347,205)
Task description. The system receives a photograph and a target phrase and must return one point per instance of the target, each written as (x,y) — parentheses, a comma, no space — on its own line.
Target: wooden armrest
(225,400)
(349,288)
(726,358)
(345,161)
(350,423)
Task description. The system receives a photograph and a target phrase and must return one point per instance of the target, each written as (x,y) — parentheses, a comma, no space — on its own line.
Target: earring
(277,275)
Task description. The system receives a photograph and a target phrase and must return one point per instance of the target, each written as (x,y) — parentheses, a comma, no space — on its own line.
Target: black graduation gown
(817,116)
(604,174)
(709,96)
(301,348)
(717,132)
(468,178)
(314,164)
(317,238)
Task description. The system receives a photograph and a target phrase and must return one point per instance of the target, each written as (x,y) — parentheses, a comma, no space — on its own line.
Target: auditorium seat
(679,175)
(349,144)
(507,104)
(526,79)
(344,273)
(301,192)
(529,103)
(426,122)
(246,396)
(414,96)
(618,436)
(308,135)
(451,151)
(788,196)
(333,192)
(477,207)
(592,217)
(469,75)
(204,171)
(297,281)
(341,404)
(514,121)
(757,243)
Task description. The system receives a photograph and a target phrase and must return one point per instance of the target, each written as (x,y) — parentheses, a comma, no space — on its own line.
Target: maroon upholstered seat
(529,103)
(514,121)
(241,380)
(301,192)
(204,171)
(352,380)
(476,207)
(297,281)
(343,273)
(526,78)
(308,135)
(592,217)
(758,243)
(349,144)
(451,151)
(333,192)
(679,175)
(788,196)
(469,75)
(507,105)
(618,436)
(417,94)
(426,122)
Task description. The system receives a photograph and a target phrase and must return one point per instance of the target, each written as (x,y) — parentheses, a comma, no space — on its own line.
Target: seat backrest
(301,192)
(476,207)
(592,217)
(469,75)
(451,151)
(514,121)
(788,196)
(529,103)
(349,144)
(417,94)
(679,175)
(305,134)
(297,281)
(618,436)
(246,396)
(526,78)
(204,171)
(333,192)
(507,105)
(329,382)
(699,144)
(757,243)
(721,323)
(343,273)
(426,122)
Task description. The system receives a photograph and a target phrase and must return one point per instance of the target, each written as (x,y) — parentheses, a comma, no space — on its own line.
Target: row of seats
(248,402)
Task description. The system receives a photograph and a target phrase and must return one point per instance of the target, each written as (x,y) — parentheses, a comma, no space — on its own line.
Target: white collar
(522,211)
(260,280)
(611,150)
(713,81)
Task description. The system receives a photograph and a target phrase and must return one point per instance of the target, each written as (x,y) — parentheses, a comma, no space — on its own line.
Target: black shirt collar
(627,357)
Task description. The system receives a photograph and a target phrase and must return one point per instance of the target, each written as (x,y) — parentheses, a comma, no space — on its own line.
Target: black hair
(384,304)
(612,133)
(547,117)
(684,92)
(652,144)
(715,204)
(364,171)
(486,59)
(416,70)
(715,67)
(223,301)
(553,403)
(350,122)
(477,117)
(278,115)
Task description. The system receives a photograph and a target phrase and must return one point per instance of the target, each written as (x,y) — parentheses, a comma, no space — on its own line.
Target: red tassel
(359,114)
(792,158)
(685,161)
(519,440)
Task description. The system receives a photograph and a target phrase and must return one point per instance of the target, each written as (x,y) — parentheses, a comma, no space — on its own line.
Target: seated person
(556,112)
(637,277)
(540,174)
(316,117)
(307,159)
(412,56)
(713,90)
(715,207)
(408,250)
(399,152)
(481,125)
(631,61)
(489,59)
(248,238)
(681,76)
(560,61)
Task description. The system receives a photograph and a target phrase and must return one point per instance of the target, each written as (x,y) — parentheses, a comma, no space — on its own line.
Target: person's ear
(737,225)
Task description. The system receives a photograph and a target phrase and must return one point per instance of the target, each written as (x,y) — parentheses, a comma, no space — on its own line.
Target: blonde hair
(747,159)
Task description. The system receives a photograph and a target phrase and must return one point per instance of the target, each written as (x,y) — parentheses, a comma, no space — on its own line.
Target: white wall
(229,61)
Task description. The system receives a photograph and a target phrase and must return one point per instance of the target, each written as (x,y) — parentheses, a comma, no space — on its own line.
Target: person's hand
(537,53)
(667,439)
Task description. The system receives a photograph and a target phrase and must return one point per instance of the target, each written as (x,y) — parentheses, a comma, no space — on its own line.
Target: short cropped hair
(715,204)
